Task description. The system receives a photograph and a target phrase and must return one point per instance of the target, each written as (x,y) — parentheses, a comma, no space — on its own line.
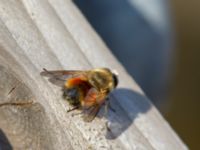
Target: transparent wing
(59,77)
(91,113)
(92,104)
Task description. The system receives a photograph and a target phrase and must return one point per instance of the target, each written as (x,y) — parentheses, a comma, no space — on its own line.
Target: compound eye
(115,79)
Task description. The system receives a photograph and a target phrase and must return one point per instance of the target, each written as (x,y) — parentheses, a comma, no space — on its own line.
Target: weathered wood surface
(36,34)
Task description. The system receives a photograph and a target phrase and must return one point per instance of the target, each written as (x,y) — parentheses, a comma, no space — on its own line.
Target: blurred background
(157,41)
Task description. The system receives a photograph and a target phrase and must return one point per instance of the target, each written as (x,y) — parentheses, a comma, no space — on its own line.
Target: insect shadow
(4,142)
(120,119)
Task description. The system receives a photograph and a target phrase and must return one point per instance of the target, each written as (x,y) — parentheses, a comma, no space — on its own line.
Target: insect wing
(92,104)
(91,113)
(59,77)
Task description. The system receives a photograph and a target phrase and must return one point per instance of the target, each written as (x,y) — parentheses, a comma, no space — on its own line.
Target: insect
(84,90)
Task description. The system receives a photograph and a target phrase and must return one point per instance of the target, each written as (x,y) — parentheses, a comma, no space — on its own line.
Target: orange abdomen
(75,90)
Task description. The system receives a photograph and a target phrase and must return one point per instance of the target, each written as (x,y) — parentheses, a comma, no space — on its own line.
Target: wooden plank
(36,34)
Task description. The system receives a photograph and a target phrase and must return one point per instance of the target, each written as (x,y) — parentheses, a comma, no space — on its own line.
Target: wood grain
(36,34)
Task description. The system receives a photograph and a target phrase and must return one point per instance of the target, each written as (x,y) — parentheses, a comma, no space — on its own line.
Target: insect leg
(74,108)
(108,105)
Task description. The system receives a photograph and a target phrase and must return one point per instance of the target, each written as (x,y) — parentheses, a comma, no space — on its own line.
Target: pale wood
(36,34)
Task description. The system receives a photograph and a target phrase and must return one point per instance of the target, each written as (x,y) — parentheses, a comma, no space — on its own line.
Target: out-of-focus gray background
(138,36)
(157,42)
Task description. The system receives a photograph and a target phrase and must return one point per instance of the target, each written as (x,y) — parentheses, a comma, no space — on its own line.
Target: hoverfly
(84,90)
